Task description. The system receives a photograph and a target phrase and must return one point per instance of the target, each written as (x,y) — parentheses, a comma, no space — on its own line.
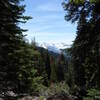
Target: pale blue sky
(48,24)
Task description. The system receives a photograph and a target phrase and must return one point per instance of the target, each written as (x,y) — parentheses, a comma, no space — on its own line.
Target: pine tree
(61,68)
(39,59)
(11,40)
(28,79)
(47,65)
(53,76)
(80,43)
(87,44)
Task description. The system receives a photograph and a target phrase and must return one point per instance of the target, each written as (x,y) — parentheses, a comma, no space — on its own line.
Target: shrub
(55,88)
(93,94)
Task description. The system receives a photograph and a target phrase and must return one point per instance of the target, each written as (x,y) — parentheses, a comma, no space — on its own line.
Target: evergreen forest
(30,72)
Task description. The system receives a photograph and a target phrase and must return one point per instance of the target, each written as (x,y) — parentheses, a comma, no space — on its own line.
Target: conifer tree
(53,76)
(60,68)
(10,35)
(47,65)
(28,79)
(86,46)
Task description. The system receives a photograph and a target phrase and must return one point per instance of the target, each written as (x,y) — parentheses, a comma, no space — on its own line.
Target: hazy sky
(48,24)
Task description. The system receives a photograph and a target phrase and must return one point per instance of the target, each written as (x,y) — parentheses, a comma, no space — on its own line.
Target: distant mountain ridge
(54,47)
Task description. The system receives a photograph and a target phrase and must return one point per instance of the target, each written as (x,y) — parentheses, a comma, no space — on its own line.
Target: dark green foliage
(28,80)
(24,67)
(17,71)
(60,68)
(47,64)
(10,41)
(93,94)
(55,65)
(86,47)
(53,76)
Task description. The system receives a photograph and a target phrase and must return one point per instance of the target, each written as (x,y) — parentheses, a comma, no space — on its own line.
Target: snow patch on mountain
(55,47)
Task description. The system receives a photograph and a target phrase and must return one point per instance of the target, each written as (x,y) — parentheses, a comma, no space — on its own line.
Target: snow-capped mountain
(55,47)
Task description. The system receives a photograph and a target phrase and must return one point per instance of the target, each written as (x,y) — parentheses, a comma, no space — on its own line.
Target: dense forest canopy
(27,69)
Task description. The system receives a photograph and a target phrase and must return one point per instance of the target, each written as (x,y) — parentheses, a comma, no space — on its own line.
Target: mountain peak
(55,47)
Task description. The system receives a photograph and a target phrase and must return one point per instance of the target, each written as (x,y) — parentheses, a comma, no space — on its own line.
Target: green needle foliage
(85,50)
(17,71)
